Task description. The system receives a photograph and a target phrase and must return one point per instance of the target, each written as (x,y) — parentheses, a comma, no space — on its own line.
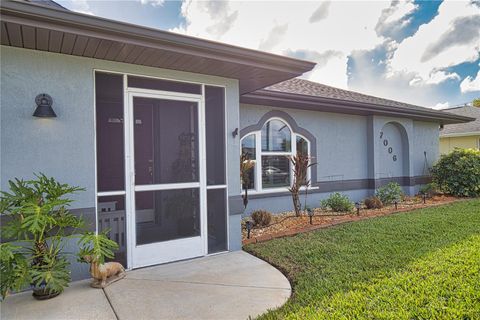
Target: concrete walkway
(233,285)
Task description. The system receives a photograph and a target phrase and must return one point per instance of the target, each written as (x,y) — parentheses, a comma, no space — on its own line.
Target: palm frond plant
(246,165)
(37,226)
(300,164)
(97,247)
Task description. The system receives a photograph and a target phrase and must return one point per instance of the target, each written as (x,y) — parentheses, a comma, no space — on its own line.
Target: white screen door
(166,193)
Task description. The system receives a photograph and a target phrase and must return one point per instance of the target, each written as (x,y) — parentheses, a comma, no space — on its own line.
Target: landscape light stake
(310,214)
(357,205)
(424,198)
(248,224)
(396,204)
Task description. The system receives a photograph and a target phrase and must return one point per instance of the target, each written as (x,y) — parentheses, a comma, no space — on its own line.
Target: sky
(421,52)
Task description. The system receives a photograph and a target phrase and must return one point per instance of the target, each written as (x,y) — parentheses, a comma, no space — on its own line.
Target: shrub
(458,173)
(261,218)
(389,193)
(38,224)
(337,202)
(429,189)
(373,203)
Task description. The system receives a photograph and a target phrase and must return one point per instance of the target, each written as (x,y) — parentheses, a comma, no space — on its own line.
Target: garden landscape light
(248,225)
(310,214)
(358,206)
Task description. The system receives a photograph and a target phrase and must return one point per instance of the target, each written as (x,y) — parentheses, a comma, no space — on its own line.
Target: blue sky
(422,52)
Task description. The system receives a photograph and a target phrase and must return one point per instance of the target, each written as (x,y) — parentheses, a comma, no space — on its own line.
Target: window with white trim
(270,149)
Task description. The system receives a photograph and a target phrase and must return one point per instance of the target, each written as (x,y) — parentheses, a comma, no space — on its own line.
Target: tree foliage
(476,102)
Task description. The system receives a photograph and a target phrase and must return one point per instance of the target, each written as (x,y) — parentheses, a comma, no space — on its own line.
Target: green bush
(337,202)
(373,203)
(390,193)
(458,173)
(261,218)
(429,189)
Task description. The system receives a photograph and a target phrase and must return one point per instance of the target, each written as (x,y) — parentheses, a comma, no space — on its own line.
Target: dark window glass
(109,132)
(249,154)
(217,220)
(302,146)
(164,85)
(215,134)
(111,216)
(275,171)
(276,136)
(167,215)
(166,141)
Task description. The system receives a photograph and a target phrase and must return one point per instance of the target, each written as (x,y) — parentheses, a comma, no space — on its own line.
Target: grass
(419,265)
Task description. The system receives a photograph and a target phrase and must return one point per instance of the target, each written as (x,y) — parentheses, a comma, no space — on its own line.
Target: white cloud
(451,38)
(155,3)
(469,84)
(396,17)
(330,33)
(435,77)
(442,105)
(81,6)
(284,27)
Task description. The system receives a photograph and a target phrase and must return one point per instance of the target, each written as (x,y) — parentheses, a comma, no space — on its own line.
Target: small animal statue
(104,274)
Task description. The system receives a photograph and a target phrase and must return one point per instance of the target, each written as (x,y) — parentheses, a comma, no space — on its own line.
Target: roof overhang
(459,134)
(49,29)
(307,102)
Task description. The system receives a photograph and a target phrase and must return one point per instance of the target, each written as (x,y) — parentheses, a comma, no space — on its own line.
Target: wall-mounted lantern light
(44,106)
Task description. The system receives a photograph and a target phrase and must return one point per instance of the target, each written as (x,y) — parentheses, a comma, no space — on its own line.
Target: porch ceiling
(49,29)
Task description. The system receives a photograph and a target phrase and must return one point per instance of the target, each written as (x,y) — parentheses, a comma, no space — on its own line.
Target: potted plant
(37,224)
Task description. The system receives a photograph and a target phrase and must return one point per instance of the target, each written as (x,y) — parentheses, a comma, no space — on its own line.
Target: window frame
(257,170)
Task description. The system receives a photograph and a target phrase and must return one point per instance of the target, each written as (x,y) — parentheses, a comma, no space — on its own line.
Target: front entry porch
(232,285)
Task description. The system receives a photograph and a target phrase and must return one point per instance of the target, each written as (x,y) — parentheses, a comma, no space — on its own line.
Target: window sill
(274,191)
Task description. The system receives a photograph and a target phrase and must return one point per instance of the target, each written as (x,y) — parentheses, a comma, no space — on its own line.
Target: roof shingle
(305,87)
(459,128)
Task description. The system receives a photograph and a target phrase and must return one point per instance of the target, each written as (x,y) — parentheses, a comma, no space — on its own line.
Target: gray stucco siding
(426,135)
(354,154)
(345,134)
(64,147)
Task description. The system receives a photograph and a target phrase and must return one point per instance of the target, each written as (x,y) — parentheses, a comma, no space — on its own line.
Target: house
(153,123)
(461,135)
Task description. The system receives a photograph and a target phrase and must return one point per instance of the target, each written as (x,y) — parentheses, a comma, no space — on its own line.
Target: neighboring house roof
(463,129)
(308,95)
(53,29)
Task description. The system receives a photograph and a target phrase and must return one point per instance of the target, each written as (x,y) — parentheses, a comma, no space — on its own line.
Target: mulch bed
(287,224)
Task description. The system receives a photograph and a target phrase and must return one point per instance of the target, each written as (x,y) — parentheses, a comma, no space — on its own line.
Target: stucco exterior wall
(63,147)
(425,147)
(447,144)
(346,134)
(354,154)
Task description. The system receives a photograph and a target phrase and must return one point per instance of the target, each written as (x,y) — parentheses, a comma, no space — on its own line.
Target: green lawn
(419,265)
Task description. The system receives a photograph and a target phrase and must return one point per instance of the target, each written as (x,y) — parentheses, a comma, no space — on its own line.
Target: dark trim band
(348,185)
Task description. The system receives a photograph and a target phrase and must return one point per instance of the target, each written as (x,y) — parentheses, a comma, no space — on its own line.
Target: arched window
(270,149)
